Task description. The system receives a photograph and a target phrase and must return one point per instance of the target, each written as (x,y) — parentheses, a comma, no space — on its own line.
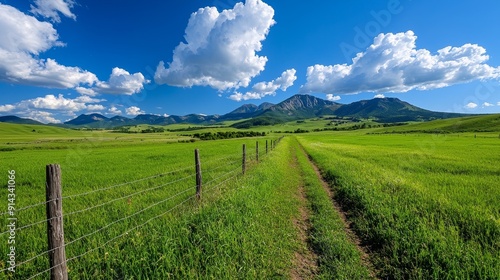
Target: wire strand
(104,227)
(99,205)
(102,189)
(114,238)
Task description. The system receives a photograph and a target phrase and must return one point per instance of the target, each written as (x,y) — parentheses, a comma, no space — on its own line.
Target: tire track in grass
(305,263)
(352,237)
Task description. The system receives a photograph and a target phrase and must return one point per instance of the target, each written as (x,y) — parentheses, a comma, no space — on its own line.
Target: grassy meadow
(426,205)
(422,198)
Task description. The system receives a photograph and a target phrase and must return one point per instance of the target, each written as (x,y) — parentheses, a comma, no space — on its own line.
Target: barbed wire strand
(134,228)
(103,228)
(99,205)
(102,189)
(136,213)
(219,167)
(116,237)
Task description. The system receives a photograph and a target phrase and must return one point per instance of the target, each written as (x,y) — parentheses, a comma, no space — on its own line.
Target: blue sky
(63,58)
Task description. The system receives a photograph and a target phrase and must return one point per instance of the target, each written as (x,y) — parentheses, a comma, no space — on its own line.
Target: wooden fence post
(55,229)
(244,159)
(198,173)
(257,151)
(266,146)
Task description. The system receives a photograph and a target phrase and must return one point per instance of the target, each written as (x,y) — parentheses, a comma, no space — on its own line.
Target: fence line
(210,188)
(102,189)
(114,186)
(114,238)
(141,225)
(102,228)
(119,220)
(99,205)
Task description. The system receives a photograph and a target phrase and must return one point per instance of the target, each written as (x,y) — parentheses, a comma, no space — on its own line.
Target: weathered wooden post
(244,159)
(267,151)
(257,151)
(55,228)
(198,173)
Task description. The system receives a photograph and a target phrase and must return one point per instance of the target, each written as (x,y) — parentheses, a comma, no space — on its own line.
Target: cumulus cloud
(42,116)
(96,108)
(44,109)
(115,111)
(134,111)
(471,105)
(380,95)
(7,108)
(263,89)
(51,9)
(220,48)
(486,104)
(86,91)
(331,97)
(122,82)
(24,37)
(394,64)
(51,102)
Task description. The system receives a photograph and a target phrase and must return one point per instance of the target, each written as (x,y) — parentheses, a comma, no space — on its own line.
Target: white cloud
(42,116)
(51,9)
(471,105)
(24,33)
(263,89)
(122,82)
(166,115)
(115,111)
(7,108)
(394,64)
(87,99)
(380,95)
(331,97)
(51,102)
(134,111)
(486,104)
(95,108)
(23,38)
(57,104)
(220,48)
(498,104)
(86,91)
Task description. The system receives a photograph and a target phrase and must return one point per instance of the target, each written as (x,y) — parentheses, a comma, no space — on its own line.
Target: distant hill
(247,111)
(18,120)
(481,123)
(87,119)
(390,110)
(297,107)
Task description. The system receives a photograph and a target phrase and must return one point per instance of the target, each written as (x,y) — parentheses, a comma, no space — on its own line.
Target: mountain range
(296,107)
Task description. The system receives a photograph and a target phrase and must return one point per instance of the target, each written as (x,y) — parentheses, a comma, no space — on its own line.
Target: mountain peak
(87,119)
(302,101)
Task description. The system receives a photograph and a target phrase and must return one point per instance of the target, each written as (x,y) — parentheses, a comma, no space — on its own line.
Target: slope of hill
(247,111)
(390,110)
(297,107)
(483,123)
(18,120)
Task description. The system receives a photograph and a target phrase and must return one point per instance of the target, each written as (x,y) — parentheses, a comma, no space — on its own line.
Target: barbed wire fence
(230,166)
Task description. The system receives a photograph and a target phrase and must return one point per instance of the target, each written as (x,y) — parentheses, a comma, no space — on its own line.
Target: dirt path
(347,225)
(305,263)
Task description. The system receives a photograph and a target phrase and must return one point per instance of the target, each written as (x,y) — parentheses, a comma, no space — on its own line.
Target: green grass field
(425,206)
(428,206)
